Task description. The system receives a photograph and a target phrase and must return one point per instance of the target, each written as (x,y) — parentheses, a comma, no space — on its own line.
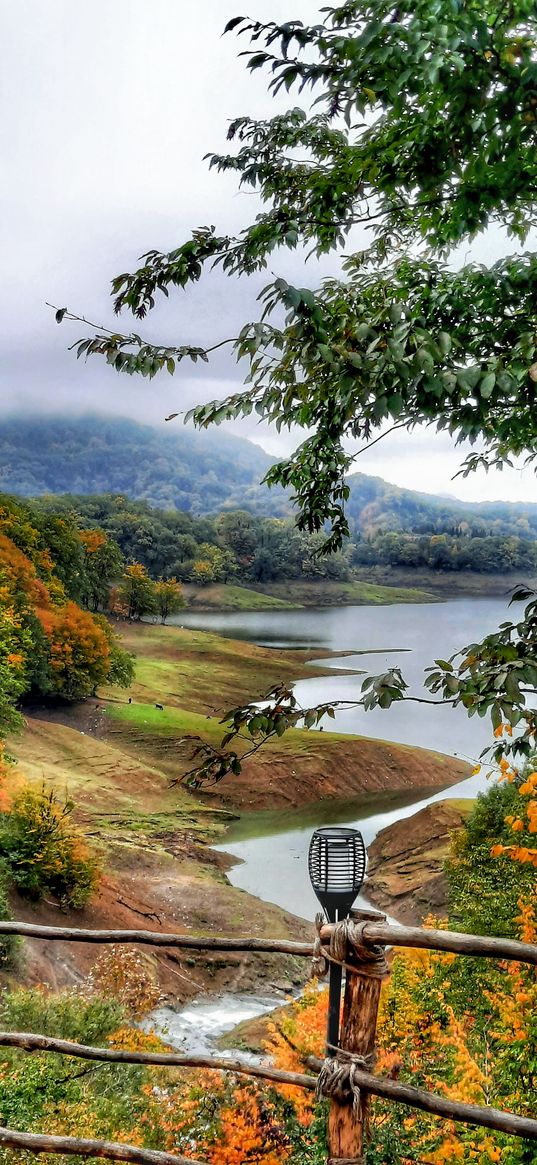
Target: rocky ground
(405,871)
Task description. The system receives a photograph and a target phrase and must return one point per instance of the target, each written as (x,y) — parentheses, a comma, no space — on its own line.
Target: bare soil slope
(405,873)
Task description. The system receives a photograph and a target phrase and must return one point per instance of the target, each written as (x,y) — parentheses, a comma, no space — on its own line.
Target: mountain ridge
(204,472)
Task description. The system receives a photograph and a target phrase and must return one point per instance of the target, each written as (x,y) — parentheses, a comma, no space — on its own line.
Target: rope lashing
(319,962)
(349,933)
(337,1079)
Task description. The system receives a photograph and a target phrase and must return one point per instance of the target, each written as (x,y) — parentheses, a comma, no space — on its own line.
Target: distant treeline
(486,553)
(230,546)
(238,546)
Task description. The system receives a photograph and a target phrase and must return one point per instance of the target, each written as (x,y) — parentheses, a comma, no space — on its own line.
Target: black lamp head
(337,863)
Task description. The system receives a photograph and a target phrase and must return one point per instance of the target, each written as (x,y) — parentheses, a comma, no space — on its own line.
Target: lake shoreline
(372,586)
(260,843)
(296,594)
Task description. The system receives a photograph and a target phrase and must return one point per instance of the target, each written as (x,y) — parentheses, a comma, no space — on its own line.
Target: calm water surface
(271,848)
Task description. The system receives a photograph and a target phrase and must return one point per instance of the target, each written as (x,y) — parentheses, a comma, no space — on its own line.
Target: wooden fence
(347,1077)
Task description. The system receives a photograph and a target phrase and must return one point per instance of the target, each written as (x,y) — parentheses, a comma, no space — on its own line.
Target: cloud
(107,113)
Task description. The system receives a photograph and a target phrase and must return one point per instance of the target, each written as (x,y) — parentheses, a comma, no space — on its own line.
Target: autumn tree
(121,663)
(484,883)
(25,654)
(78,651)
(12,664)
(169,598)
(103,565)
(213,564)
(135,596)
(44,851)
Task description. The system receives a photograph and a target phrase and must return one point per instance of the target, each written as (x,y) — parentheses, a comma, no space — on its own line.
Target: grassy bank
(159,870)
(442,584)
(306,593)
(228,597)
(197,676)
(302,593)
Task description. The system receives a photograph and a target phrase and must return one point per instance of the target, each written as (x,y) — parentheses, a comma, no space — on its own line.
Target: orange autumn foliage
(48,643)
(92,540)
(220,1119)
(78,650)
(523,821)
(440,1029)
(20,575)
(246,1129)
(299,1034)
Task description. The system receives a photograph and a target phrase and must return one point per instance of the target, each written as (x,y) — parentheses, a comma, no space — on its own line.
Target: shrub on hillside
(484,889)
(57,1094)
(125,975)
(66,1015)
(45,851)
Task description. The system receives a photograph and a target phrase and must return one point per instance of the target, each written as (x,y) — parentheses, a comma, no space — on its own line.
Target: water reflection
(273,864)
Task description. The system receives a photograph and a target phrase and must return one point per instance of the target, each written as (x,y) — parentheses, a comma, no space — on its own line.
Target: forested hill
(171,467)
(178,468)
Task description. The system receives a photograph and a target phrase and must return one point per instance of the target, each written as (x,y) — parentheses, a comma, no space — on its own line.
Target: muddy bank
(405,871)
(119,757)
(163,891)
(317,767)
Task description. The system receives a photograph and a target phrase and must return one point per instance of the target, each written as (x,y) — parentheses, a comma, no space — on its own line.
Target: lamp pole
(337,864)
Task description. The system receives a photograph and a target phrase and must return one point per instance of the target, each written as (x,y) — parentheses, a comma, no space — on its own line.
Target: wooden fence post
(347,1131)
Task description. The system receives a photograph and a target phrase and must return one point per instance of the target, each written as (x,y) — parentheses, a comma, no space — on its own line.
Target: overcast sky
(107,111)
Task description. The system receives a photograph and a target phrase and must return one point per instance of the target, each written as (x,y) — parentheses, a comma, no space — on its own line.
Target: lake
(272,848)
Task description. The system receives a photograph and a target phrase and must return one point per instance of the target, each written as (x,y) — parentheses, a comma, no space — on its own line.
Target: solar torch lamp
(336,863)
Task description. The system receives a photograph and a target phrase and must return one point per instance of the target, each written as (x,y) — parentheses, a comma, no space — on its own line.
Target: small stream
(197,1028)
(270,848)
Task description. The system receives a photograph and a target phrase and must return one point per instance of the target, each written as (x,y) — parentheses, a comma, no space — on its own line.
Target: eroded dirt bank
(405,872)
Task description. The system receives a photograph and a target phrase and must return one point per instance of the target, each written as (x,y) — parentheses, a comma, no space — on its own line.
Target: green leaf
(487,385)
(231,24)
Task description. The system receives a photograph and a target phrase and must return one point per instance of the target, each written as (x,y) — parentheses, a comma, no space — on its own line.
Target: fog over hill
(203,472)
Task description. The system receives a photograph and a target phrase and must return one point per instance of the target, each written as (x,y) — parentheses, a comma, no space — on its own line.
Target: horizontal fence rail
(29,1042)
(157,939)
(474,1114)
(80,1147)
(452,941)
(456,1110)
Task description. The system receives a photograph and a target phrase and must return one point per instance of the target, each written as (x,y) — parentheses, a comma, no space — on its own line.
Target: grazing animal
(160,707)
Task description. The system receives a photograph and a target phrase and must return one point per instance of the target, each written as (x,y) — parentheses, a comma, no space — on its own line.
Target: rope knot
(337,1079)
(349,933)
